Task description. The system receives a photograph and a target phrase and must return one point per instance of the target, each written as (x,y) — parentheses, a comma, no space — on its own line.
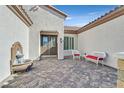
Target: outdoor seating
(96,57)
(76,54)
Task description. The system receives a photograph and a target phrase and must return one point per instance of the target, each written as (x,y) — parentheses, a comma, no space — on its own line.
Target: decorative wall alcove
(15,47)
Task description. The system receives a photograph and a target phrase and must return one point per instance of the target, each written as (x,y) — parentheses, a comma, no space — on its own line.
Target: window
(68,43)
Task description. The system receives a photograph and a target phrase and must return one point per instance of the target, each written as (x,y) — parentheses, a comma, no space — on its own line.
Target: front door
(48,44)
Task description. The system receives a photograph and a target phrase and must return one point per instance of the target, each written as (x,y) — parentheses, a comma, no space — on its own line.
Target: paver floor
(53,73)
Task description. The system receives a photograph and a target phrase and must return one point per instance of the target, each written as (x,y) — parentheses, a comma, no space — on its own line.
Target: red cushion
(93,57)
(66,56)
(76,54)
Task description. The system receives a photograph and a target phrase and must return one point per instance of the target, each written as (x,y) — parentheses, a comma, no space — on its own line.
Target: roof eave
(56,10)
(21,14)
(107,17)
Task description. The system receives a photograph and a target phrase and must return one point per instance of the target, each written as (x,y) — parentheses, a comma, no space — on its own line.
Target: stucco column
(60,42)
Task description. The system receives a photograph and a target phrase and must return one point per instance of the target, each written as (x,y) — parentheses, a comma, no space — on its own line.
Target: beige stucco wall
(12,29)
(44,20)
(107,37)
(75,36)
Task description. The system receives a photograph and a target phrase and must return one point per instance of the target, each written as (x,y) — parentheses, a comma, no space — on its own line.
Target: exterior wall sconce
(60,40)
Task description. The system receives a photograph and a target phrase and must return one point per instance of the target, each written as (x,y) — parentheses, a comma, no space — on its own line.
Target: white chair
(76,53)
(96,57)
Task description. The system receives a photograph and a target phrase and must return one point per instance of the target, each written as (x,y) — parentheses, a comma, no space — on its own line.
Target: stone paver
(53,73)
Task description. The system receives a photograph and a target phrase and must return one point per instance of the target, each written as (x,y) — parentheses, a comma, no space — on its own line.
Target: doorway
(49,45)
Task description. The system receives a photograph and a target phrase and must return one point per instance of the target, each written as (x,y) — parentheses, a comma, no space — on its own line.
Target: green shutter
(72,42)
(64,43)
(68,43)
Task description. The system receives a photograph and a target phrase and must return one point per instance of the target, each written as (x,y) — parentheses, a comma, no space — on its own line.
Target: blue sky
(80,15)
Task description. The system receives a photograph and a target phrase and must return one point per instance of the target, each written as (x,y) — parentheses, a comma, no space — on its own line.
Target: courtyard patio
(53,73)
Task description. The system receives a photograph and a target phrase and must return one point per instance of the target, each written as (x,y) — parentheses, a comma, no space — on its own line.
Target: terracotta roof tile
(118,11)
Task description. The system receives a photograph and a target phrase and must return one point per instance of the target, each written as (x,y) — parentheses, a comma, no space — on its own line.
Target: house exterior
(70,40)
(31,27)
(40,30)
(104,34)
